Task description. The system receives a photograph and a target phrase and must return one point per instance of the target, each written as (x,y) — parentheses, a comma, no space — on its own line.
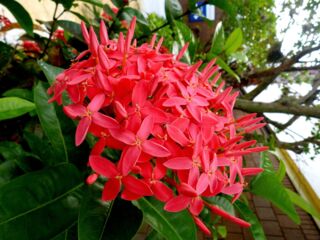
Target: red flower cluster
(174,125)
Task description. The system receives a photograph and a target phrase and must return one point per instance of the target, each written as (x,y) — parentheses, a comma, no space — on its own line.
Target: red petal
(74,111)
(187,190)
(111,189)
(201,225)
(82,130)
(177,135)
(124,136)
(136,186)
(85,32)
(155,149)
(129,196)
(161,191)
(96,103)
(202,183)
(251,171)
(196,206)
(178,163)
(129,157)
(145,128)
(103,166)
(104,38)
(226,215)
(174,101)
(233,189)
(139,94)
(177,204)
(104,121)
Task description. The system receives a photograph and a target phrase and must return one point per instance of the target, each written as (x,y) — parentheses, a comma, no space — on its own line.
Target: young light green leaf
(226,67)
(50,123)
(234,41)
(303,204)
(20,14)
(217,40)
(40,204)
(11,107)
(256,228)
(268,186)
(20,93)
(173,226)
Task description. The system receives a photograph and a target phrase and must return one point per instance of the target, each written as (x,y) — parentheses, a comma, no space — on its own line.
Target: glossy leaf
(20,93)
(20,14)
(256,228)
(172,9)
(11,107)
(99,220)
(188,37)
(234,41)
(217,40)
(173,226)
(71,27)
(268,186)
(40,205)
(226,67)
(303,204)
(67,4)
(281,172)
(118,3)
(225,5)
(50,123)
(223,203)
(50,71)
(128,13)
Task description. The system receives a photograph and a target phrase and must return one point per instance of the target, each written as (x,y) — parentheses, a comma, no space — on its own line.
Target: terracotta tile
(271,228)
(260,202)
(286,222)
(293,234)
(266,213)
(234,236)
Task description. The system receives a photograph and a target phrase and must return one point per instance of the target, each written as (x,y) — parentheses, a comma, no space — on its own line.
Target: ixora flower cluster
(175,127)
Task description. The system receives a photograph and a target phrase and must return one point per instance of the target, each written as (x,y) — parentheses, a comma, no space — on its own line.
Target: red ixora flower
(175,127)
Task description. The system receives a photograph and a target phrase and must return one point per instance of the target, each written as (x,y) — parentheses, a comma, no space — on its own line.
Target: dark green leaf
(225,5)
(303,204)
(6,54)
(100,220)
(173,226)
(256,228)
(107,9)
(226,67)
(154,235)
(186,33)
(268,186)
(173,9)
(8,171)
(50,123)
(217,40)
(97,3)
(234,41)
(40,205)
(20,14)
(118,3)
(13,152)
(71,27)
(11,107)
(50,71)
(20,93)
(223,203)
(67,4)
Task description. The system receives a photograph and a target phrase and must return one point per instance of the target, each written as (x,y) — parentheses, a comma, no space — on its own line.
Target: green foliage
(11,107)
(173,226)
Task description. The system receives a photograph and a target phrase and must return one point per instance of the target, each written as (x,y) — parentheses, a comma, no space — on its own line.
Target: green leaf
(187,35)
(50,123)
(107,9)
(268,186)
(128,13)
(234,41)
(281,172)
(20,14)
(20,93)
(256,228)
(217,40)
(225,5)
(40,205)
(8,171)
(50,71)
(67,4)
(226,67)
(175,8)
(11,107)
(223,203)
(7,53)
(71,27)
(81,17)
(222,231)
(118,3)
(303,204)
(98,220)
(97,3)
(173,226)
(13,152)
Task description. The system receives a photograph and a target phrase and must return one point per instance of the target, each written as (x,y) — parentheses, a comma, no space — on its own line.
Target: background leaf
(11,107)
(20,93)
(50,123)
(40,205)
(20,14)
(225,5)
(217,40)
(50,71)
(234,41)
(172,226)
